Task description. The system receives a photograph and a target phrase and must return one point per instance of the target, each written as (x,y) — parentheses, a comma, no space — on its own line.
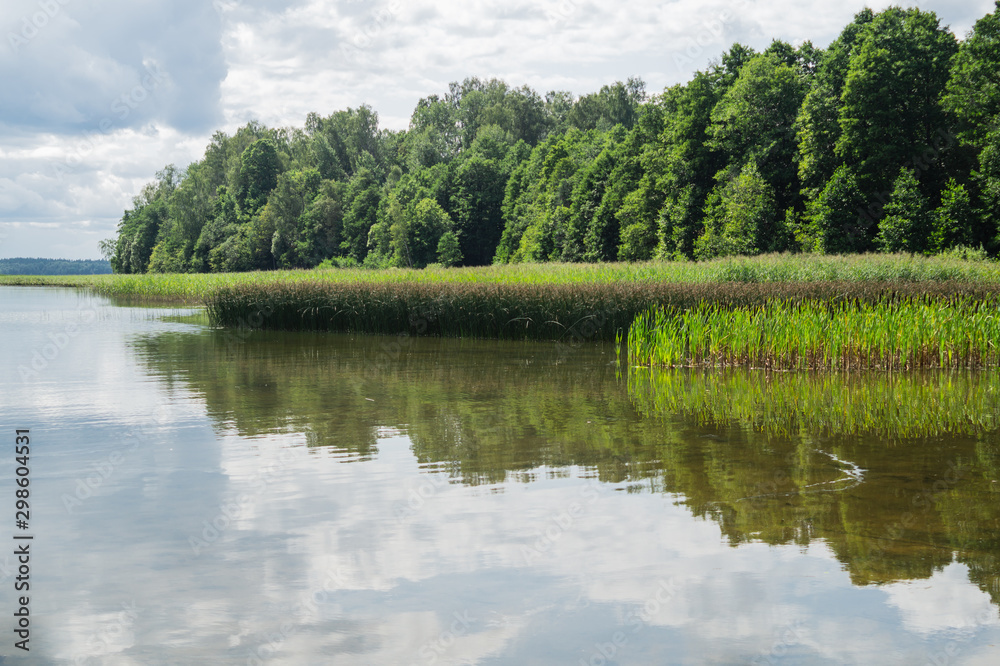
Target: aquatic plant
(889,331)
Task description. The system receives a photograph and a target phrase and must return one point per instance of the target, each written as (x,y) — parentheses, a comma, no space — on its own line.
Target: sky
(98,95)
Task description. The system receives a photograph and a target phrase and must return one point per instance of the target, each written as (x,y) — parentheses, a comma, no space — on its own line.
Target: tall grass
(530,311)
(891,332)
(764,269)
(550,301)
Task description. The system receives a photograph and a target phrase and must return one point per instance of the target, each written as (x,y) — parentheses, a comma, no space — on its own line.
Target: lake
(202,496)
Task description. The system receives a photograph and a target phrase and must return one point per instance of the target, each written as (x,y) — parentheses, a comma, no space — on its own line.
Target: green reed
(891,332)
(568,312)
(570,302)
(766,269)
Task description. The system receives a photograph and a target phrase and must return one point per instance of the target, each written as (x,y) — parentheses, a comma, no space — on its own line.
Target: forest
(888,140)
(34,266)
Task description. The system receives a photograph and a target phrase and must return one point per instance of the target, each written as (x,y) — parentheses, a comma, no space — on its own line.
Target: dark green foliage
(449,252)
(416,236)
(741,217)
(479,180)
(283,213)
(989,177)
(321,225)
(754,121)
(140,226)
(639,222)
(954,221)
(890,110)
(617,104)
(974,87)
(836,221)
(789,149)
(258,175)
(907,223)
(361,207)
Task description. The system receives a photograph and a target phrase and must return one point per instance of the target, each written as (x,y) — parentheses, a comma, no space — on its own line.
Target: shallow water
(236,497)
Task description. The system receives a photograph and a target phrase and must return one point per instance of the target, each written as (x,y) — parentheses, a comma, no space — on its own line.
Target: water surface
(228,497)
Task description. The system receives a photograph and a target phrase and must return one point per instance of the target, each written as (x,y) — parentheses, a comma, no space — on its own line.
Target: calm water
(211,497)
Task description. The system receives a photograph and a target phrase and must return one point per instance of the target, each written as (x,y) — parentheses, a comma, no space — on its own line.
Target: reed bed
(535,311)
(893,331)
(891,406)
(767,269)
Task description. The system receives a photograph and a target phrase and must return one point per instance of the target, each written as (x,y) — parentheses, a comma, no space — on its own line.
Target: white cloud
(945,602)
(224,63)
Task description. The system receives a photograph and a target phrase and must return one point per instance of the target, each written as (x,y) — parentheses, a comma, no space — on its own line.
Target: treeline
(887,140)
(26,266)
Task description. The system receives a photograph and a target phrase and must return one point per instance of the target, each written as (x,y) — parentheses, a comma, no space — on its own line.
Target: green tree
(638,219)
(321,225)
(416,233)
(222,226)
(817,125)
(835,221)
(449,252)
(685,164)
(480,179)
(615,104)
(286,205)
(973,99)
(954,220)
(363,196)
(907,222)
(890,111)
(989,177)
(140,226)
(973,89)
(754,121)
(258,175)
(740,217)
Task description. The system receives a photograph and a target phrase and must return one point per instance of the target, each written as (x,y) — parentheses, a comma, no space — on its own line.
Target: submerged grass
(890,332)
